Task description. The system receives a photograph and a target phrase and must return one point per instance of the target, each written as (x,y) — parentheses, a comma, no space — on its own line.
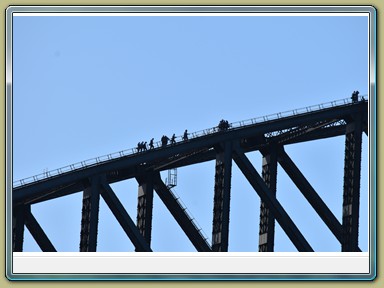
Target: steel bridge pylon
(225,148)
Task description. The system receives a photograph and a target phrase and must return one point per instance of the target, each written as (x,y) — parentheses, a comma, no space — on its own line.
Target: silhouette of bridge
(267,134)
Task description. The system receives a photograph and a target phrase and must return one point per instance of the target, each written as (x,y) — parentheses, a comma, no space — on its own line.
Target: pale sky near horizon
(90,86)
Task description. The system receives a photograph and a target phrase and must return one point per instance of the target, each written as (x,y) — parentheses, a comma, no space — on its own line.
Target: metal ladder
(171,180)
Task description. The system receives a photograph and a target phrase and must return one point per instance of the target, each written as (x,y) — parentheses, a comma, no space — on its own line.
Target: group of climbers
(142,146)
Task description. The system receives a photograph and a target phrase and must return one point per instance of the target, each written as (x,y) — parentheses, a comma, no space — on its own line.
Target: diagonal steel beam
(37,232)
(178,212)
(310,194)
(124,219)
(265,194)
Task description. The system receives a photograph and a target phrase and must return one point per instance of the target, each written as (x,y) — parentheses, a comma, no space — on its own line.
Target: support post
(145,207)
(90,216)
(222,195)
(18,221)
(267,219)
(351,193)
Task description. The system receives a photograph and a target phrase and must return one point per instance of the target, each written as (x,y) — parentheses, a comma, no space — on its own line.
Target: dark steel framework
(269,137)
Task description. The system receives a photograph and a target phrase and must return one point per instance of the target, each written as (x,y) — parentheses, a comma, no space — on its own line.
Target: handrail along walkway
(157,145)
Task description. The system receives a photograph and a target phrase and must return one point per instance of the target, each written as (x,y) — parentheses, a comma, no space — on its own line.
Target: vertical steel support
(18,228)
(267,219)
(90,216)
(351,195)
(221,202)
(145,207)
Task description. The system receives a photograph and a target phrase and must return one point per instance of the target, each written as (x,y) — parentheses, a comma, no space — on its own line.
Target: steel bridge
(267,134)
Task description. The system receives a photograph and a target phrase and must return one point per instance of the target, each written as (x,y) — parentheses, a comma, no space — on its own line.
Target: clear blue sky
(90,86)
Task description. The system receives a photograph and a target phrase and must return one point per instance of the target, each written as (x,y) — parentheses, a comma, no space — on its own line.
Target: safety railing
(179,139)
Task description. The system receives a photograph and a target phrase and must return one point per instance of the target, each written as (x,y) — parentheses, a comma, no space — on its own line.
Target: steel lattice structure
(267,134)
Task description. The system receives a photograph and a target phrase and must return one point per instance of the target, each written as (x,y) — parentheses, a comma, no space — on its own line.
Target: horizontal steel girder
(190,159)
(51,187)
(262,190)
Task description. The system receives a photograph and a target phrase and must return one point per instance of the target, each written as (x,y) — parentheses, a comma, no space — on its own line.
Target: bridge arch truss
(226,147)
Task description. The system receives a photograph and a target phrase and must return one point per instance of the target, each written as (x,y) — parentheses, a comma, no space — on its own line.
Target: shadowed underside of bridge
(223,147)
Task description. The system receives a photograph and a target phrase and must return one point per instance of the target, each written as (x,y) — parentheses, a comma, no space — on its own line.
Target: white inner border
(189,14)
(191,262)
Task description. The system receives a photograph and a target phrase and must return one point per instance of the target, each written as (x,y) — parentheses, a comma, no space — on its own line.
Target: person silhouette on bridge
(173,139)
(151,144)
(355,96)
(141,146)
(223,125)
(185,136)
(164,141)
